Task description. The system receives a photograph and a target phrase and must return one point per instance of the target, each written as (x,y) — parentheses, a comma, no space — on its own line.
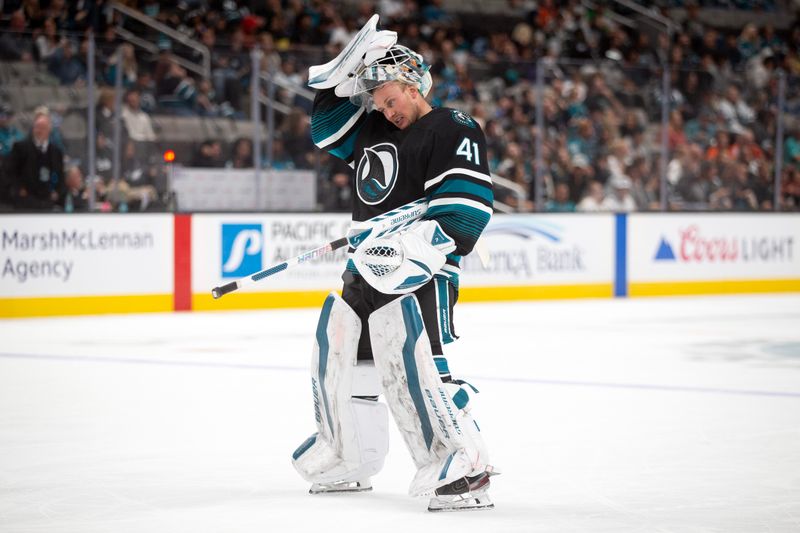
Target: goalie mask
(398,64)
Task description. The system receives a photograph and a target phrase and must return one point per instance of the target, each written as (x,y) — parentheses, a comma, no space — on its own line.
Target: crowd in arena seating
(600,100)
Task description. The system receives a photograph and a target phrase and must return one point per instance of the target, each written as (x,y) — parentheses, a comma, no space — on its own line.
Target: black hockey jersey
(441,157)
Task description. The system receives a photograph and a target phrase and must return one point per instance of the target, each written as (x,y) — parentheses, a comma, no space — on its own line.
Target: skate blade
(336,488)
(463,503)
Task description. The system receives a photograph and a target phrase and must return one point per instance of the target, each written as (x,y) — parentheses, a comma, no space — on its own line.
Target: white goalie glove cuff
(404,262)
(368,45)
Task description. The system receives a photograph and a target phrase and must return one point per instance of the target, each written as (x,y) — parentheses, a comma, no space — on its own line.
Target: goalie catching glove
(368,45)
(404,262)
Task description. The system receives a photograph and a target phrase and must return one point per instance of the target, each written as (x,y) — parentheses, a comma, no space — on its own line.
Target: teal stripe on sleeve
(345,150)
(456,186)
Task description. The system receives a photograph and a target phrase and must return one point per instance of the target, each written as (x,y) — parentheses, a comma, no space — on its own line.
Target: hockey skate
(341,486)
(468,493)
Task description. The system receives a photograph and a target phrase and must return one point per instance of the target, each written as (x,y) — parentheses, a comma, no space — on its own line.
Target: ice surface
(643,415)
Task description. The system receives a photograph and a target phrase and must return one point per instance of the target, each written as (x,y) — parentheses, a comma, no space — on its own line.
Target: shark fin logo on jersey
(462,118)
(376,173)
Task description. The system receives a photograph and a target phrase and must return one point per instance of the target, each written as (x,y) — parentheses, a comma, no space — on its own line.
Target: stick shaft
(384,224)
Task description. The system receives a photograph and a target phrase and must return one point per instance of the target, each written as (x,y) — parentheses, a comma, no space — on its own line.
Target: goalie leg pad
(443,440)
(352,437)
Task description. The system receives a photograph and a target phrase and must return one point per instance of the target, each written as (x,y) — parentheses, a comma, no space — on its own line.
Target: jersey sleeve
(458,185)
(335,123)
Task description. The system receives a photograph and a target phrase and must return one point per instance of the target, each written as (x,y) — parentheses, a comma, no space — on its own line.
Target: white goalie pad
(444,441)
(352,437)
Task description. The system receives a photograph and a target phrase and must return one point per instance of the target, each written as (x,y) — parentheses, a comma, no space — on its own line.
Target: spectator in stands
(734,110)
(281,159)
(743,196)
(676,137)
(790,188)
(35,169)
(748,43)
(104,113)
(560,203)
(702,129)
(721,147)
(9,133)
(600,98)
(104,158)
(230,67)
(697,189)
(434,13)
(33,13)
(205,102)
(176,91)
(335,188)
(579,172)
(147,92)
(629,96)
(66,65)
(593,200)
(270,59)
(512,158)
(644,190)
(15,43)
(124,57)
(619,199)
(57,10)
(684,166)
(791,148)
(76,196)
(618,157)
(241,154)
(288,73)
(764,186)
(583,139)
(209,155)
(138,180)
(137,122)
(83,15)
(296,133)
(48,41)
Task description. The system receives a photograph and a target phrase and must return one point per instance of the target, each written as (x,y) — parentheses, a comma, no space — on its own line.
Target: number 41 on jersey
(469,150)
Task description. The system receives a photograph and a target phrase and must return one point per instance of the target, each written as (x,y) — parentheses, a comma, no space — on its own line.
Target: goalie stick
(385,224)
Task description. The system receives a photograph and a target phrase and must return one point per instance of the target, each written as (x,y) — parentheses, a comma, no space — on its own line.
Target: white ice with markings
(643,415)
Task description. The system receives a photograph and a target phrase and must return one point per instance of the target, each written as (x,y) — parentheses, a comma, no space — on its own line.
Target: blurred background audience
(602,67)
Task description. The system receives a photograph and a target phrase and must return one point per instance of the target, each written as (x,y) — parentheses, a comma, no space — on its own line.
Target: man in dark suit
(35,169)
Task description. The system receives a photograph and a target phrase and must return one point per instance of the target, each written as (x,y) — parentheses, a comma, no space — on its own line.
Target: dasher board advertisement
(85,255)
(229,247)
(713,247)
(533,250)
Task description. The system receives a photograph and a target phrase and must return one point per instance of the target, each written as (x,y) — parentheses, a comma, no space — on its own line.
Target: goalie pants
(436,301)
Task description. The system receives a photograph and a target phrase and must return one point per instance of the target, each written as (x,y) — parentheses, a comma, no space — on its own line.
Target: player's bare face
(398,104)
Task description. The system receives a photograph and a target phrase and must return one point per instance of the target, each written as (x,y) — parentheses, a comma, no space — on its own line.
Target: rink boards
(104,263)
